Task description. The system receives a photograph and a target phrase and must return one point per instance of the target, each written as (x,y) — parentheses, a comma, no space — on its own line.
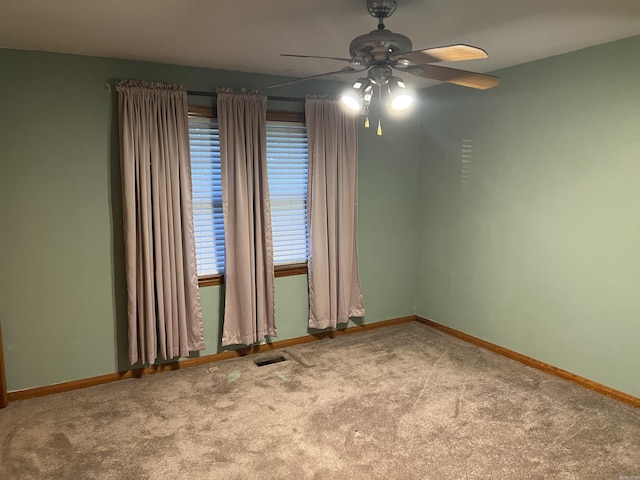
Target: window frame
(285,270)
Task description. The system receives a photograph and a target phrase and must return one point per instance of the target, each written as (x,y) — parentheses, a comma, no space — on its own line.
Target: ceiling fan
(382,51)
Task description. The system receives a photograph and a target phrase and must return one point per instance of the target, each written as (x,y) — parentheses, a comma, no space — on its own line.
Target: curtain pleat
(249,312)
(163,309)
(334,285)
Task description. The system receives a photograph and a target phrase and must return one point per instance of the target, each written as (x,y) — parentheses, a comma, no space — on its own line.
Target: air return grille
(269,361)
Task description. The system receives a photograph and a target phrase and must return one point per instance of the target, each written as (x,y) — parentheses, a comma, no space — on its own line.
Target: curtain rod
(213,94)
(273,99)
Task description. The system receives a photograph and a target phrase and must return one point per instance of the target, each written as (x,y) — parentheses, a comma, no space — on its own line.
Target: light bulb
(401,101)
(351,101)
(399,97)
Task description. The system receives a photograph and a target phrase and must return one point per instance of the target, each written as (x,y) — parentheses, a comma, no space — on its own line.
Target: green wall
(62,292)
(533,242)
(530,241)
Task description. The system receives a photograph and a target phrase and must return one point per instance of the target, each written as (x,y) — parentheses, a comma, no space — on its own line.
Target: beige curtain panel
(164,309)
(249,313)
(334,285)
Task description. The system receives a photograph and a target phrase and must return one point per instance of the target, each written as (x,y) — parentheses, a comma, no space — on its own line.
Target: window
(287,165)
(206,181)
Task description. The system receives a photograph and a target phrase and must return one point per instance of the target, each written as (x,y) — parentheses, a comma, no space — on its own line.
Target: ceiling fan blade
(450,53)
(315,56)
(453,75)
(302,79)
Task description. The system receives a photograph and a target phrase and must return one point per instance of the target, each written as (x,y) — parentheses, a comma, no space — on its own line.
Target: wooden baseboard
(192,362)
(537,364)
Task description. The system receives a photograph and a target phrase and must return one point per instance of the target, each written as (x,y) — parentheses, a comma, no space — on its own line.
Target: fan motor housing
(378,45)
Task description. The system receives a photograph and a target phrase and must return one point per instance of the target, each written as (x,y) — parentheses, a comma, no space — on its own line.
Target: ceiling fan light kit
(400,98)
(382,51)
(358,97)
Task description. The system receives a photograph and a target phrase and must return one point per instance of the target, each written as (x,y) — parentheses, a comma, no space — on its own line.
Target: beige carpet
(401,402)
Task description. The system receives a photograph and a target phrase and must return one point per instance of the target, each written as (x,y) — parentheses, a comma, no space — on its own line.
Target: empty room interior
(497,230)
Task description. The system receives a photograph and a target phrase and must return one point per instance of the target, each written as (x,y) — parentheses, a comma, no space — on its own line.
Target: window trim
(279,270)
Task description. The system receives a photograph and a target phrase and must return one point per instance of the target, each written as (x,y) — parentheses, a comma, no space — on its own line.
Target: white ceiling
(249,35)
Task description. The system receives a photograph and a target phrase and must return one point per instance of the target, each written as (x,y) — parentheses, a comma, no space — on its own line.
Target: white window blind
(206,180)
(287,164)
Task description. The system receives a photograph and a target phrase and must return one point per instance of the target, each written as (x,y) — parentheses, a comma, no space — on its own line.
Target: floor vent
(269,361)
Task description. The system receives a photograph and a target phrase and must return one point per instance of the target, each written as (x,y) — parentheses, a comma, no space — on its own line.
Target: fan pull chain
(379,132)
(366,122)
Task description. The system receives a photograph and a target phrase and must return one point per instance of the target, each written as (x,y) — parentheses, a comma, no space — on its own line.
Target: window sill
(279,271)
